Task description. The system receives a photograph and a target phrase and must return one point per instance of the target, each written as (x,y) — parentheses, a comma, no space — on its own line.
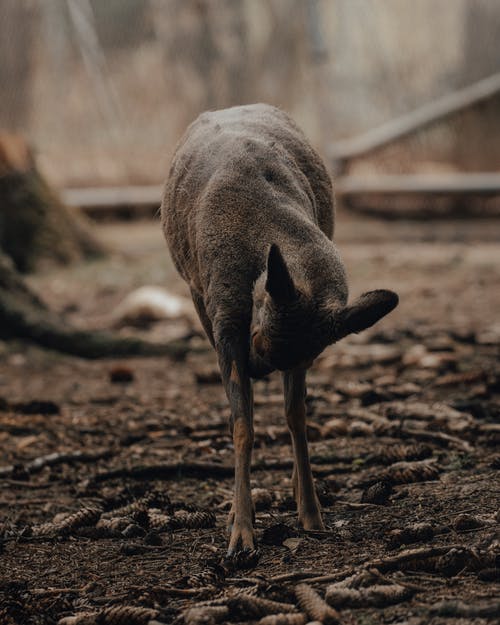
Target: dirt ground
(404,432)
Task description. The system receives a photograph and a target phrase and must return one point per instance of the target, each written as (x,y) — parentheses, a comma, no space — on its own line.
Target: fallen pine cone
(44,529)
(314,606)
(262,498)
(284,619)
(206,615)
(242,560)
(417,532)
(154,499)
(376,596)
(192,520)
(115,524)
(82,518)
(119,615)
(246,607)
(210,576)
(458,559)
(377,493)
(409,472)
(467,522)
(159,522)
(85,517)
(397,453)
(181,520)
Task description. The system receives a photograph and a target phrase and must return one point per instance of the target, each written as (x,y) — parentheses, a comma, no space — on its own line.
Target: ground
(421,388)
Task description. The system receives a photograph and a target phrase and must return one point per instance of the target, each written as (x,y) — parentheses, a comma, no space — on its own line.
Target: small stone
(121,374)
(133,531)
(153,538)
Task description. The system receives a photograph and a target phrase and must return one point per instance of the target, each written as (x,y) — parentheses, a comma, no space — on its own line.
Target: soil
(404,432)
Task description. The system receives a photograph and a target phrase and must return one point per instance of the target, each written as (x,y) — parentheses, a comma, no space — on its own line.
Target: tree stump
(35,226)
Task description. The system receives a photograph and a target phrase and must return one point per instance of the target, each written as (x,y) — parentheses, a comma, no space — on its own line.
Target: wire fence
(103,90)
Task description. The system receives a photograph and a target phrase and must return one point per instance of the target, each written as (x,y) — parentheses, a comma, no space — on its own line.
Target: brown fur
(248,214)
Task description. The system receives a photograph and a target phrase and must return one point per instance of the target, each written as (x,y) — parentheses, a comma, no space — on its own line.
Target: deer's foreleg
(232,353)
(307,503)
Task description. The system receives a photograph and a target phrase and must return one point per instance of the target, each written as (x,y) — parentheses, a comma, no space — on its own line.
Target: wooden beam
(95,200)
(483,183)
(145,200)
(427,114)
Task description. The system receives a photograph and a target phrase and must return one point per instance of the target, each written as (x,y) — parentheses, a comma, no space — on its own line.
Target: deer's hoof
(241,538)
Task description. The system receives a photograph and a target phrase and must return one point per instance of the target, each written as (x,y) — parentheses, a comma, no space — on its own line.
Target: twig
(331,577)
(461,609)
(27,485)
(356,506)
(57,591)
(438,437)
(409,585)
(51,460)
(167,470)
(26,501)
(311,576)
(392,563)
(182,592)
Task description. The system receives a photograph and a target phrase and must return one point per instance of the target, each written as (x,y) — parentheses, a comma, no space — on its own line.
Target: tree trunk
(24,316)
(17,30)
(35,227)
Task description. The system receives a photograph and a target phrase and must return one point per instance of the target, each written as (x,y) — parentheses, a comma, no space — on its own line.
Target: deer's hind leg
(199,305)
(295,408)
(232,352)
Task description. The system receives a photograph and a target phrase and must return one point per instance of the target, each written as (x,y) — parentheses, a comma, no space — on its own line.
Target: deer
(248,215)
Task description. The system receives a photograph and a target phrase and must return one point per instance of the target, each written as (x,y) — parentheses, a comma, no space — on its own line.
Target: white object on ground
(151,303)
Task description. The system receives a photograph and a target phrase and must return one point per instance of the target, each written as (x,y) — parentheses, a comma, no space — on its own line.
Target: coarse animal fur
(248,214)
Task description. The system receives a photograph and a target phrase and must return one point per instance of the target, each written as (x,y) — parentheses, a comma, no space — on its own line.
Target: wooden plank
(420,184)
(145,200)
(415,120)
(103,198)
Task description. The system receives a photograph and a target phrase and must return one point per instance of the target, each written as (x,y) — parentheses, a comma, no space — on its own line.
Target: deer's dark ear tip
(391,299)
(279,283)
(274,252)
(385,299)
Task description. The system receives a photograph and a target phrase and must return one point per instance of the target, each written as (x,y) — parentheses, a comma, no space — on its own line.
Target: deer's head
(292,328)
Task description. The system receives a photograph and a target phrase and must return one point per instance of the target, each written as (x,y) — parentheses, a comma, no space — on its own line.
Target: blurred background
(103,90)
(401,98)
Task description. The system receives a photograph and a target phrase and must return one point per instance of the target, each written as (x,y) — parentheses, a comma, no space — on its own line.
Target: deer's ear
(364,312)
(279,283)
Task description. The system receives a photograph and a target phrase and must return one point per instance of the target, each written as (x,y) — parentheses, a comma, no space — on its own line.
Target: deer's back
(242,178)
